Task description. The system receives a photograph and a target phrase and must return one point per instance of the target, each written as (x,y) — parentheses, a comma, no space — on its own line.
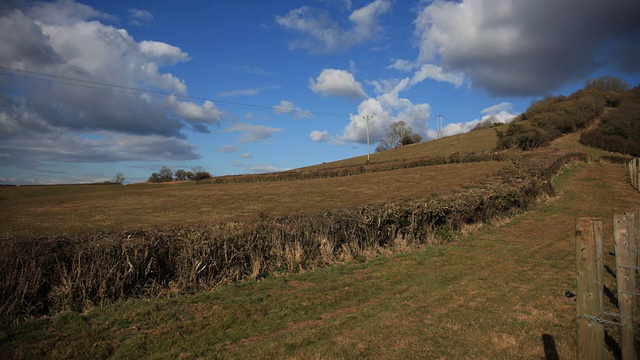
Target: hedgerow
(46,275)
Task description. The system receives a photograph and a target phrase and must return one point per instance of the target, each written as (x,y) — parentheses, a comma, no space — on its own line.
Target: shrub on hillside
(521,137)
(619,130)
(201,175)
(554,116)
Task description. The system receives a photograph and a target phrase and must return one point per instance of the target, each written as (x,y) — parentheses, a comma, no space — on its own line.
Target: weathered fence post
(637,176)
(634,173)
(590,335)
(626,280)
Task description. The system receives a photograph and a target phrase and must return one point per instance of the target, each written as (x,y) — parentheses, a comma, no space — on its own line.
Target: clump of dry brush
(46,275)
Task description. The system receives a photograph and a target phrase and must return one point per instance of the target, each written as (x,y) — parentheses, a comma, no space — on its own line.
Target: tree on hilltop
(399,134)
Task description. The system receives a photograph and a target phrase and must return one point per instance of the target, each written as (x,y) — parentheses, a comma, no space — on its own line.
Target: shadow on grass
(550,349)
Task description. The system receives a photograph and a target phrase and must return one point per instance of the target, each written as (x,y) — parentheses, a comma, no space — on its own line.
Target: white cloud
(322,136)
(434,72)
(229,149)
(206,113)
(162,53)
(287,107)
(139,17)
(453,129)
(503,47)
(334,82)
(402,65)
(65,12)
(499,113)
(49,119)
(246,156)
(248,91)
(253,133)
(320,33)
(387,108)
(265,169)
(319,136)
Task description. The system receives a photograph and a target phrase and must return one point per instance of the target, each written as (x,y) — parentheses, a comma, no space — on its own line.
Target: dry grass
(472,142)
(42,211)
(497,294)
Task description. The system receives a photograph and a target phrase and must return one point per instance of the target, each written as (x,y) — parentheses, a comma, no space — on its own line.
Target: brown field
(33,211)
(475,141)
(496,291)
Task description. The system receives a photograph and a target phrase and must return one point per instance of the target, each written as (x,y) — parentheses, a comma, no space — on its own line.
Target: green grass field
(496,292)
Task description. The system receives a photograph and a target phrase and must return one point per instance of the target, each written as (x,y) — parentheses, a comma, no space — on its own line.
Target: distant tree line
(554,116)
(167,175)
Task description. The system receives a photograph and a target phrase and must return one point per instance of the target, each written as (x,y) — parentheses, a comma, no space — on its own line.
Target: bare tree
(399,134)
(118,179)
(608,83)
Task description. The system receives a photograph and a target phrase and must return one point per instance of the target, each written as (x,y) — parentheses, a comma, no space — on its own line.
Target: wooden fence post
(637,176)
(634,173)
(590,334)
(626,280)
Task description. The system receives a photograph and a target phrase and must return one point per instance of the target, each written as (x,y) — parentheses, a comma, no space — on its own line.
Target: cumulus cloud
(453,129)
(206,113)
(324,136)
(320,33)
(499,113)
(287,107)
(402,65)
(528,47)
(319,136)
(383,110)
(334,82)
(253,133)
(76,54)
(162,53)
(434,72)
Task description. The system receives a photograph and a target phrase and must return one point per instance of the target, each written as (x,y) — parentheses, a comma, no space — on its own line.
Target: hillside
(500,289)
(428,244)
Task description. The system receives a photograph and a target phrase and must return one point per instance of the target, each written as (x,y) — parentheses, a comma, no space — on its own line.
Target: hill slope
(496,294)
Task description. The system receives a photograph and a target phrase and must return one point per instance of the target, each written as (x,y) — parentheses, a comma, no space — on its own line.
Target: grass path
(496,294)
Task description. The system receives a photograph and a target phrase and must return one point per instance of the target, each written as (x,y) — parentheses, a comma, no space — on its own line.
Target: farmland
(38,211)
(498,283)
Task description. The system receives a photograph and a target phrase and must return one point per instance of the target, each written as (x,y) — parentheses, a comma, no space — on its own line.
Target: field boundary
(47,275)
(351,170)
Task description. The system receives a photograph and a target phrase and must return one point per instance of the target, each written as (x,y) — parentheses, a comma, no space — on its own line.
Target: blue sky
(89,89)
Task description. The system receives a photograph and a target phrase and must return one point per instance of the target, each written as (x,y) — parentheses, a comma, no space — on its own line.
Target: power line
(84,83)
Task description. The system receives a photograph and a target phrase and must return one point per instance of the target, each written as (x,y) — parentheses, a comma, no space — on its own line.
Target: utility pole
(439,125)
(368,117)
